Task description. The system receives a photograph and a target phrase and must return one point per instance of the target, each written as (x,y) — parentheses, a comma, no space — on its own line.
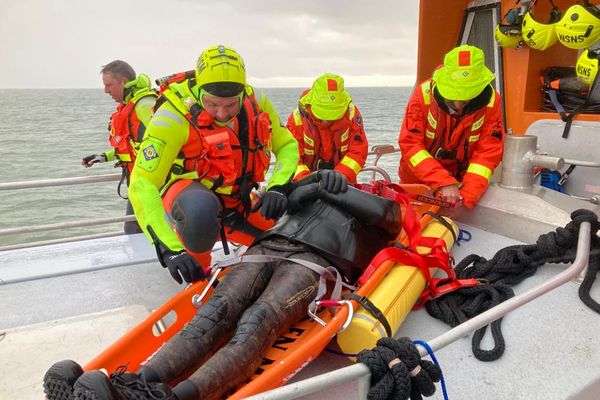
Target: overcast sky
(64,43)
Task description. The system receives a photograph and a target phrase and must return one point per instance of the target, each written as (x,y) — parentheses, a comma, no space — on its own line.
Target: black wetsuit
(255,303)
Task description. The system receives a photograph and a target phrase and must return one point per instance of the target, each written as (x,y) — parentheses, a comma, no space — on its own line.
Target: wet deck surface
(552,344)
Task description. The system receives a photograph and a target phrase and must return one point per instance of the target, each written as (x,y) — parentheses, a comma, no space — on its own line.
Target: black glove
(181,264)
(273,204)
(92,159)
(333,181)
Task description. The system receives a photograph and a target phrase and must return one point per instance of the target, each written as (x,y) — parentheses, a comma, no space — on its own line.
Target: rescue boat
(553,349)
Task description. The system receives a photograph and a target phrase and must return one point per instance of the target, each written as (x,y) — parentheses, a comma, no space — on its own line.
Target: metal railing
(361,373)
(40,183)
(376,151)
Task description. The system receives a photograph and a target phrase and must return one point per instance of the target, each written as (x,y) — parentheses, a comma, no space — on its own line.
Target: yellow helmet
(220,71)
(579,28)
(537,35)
(327,98)
(508,35)
(587,66)
(463,75)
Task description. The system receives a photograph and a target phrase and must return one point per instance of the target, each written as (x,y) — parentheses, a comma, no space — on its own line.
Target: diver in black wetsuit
(327,223)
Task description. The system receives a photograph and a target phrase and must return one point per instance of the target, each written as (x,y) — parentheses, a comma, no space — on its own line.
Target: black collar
(477,103)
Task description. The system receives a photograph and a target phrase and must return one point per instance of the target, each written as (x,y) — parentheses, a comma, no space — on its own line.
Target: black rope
(397,371)
(508,267)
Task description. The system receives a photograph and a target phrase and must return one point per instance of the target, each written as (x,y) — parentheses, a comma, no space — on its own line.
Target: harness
(229,161)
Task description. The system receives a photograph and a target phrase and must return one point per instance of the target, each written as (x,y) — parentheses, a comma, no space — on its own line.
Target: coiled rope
(398,372)
(508,267)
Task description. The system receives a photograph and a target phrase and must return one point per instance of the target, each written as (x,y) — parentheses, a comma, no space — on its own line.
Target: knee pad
(214,312)
(196,212)
(257,322)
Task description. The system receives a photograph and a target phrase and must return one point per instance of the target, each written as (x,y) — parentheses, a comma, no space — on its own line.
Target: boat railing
(360,372)
(373,168)
(59,182)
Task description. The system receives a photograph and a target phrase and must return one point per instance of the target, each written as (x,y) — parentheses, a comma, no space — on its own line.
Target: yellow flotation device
(394,296)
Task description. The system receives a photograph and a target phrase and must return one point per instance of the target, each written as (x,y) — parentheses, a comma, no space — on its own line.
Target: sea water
(45,133)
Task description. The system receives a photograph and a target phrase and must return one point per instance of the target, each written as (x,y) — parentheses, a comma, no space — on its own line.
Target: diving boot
(60,378)
(94,385)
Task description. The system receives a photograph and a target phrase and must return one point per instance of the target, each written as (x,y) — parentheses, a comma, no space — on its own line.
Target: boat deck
(58,303)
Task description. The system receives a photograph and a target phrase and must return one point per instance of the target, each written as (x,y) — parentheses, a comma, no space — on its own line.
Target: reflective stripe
(344,148)
(350,163)
(345,135)
(480,170)
(426,91)
(419,157)
(492,99)
(309,152)
(473,138)
(222,189)
(301,168)
(125,157)
(308,140)
(297,118)
(431,119)
(430,135)
(352,111)
(477,124)
(166,114)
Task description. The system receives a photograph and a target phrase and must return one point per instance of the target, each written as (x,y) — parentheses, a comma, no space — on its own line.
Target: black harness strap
(444,221)
(372,308)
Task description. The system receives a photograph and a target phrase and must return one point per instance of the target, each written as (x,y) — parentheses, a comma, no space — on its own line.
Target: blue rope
(463,236)
(435,361)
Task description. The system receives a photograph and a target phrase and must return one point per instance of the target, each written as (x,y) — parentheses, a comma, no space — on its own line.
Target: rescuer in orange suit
(452,135)
(329,129)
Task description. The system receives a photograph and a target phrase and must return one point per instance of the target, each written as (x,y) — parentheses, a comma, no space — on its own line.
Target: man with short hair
(135,100)
(329,129)
(452,135)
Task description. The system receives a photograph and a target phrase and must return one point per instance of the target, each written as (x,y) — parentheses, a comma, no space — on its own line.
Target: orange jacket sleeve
(415,158)
(486,157)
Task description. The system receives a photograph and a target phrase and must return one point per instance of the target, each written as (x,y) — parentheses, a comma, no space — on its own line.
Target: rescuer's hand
(92,159)
(273,204)
(333,181)
(181,265)
(450,194)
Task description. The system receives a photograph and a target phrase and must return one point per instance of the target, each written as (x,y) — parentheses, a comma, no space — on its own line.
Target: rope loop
(508,267)
(398,372)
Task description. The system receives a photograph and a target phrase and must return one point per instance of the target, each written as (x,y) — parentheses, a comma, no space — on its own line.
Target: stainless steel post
(519,159)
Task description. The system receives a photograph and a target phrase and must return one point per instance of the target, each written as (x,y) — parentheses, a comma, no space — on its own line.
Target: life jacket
(323,152)
(452,139)
(229,161)
(123,128)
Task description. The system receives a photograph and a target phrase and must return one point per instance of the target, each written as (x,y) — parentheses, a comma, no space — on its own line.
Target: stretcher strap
(437,258)
(372,308)
(325,274)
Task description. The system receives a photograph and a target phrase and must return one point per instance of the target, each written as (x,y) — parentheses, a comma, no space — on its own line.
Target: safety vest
(325,149)
(229,161)
(123,128)
(451,140)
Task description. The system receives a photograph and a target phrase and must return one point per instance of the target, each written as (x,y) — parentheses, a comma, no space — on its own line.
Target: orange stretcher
(287,356)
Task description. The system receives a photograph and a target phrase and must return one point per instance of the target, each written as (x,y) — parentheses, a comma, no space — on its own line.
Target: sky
(64,43)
